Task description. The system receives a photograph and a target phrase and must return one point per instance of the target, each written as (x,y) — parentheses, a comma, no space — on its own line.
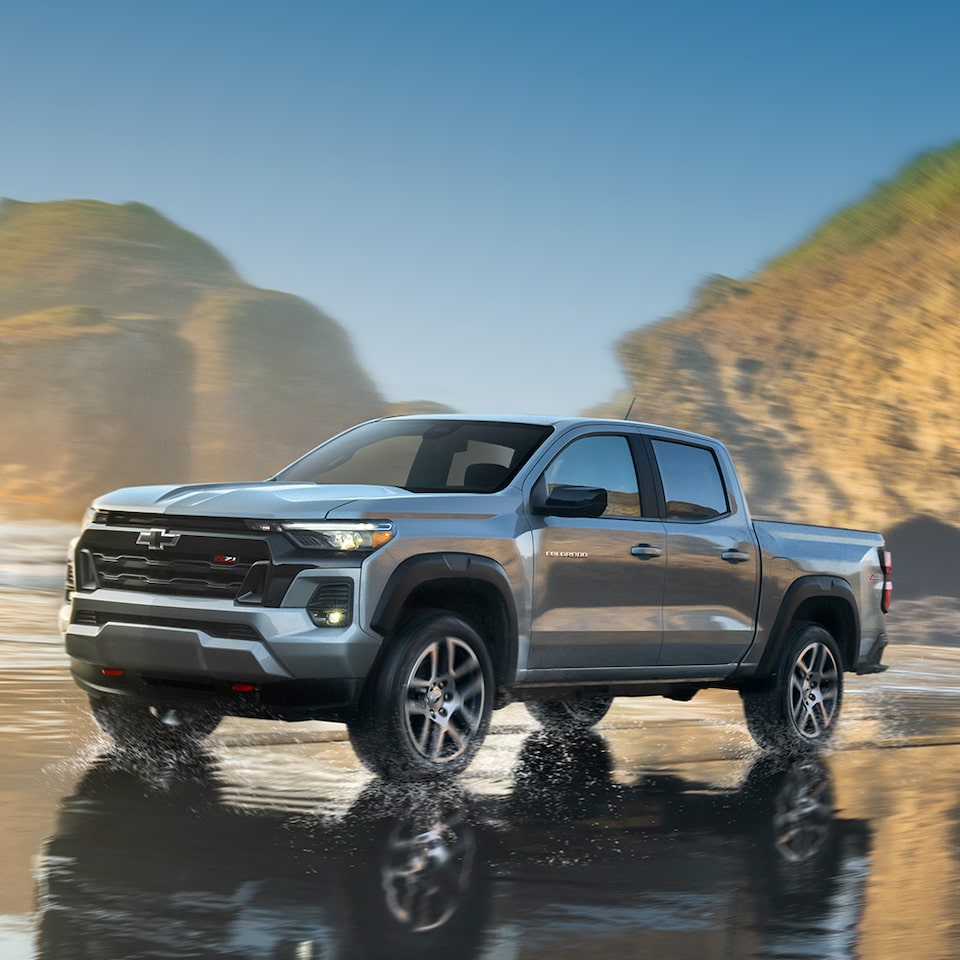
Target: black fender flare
(815,587)
(416,571)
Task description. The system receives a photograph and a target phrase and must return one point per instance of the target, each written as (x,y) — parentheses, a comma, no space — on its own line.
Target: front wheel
(134,725)
(801,706)
(428,708)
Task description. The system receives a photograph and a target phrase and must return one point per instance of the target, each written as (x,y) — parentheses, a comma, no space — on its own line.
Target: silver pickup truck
(412,574)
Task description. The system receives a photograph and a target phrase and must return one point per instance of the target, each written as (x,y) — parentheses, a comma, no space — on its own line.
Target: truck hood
(264,500)
(267,500)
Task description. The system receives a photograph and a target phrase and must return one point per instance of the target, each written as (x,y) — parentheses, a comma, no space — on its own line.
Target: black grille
(160,560)
(214,628)
(179,577)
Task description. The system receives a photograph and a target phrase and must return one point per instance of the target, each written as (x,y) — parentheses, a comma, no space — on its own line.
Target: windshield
(424,456)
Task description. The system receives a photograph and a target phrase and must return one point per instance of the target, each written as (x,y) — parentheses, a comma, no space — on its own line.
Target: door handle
(646,552)
(735,556)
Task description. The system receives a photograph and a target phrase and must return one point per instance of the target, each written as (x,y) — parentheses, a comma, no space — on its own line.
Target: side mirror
(566,500)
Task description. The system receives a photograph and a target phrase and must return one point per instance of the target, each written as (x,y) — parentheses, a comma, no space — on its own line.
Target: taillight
(886,565)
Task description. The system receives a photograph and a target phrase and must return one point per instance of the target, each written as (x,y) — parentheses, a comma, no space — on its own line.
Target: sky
(488,195)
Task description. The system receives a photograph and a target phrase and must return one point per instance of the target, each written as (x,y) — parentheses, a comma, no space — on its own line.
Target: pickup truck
(412,574)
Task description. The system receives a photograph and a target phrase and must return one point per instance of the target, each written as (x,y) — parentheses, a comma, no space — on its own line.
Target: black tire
(800,708)
(427,710)
(140,727)
(571,716)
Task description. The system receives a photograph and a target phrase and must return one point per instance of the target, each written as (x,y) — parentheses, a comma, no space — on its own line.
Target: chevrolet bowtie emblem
(157,539)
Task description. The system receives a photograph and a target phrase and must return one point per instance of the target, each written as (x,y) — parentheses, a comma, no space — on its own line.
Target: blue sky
(485,195)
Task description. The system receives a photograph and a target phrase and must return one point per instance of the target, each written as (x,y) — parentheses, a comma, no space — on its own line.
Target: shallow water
(664,834)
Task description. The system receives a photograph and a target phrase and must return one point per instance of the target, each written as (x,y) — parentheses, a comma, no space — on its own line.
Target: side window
(692,485)
(600,462)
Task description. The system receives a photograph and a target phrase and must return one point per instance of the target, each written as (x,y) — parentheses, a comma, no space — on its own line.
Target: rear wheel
(574,715)
(135,725)
(801,707)
(427,711)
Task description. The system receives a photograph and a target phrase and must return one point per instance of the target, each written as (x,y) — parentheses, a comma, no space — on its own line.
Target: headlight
(89,515)
(362,536)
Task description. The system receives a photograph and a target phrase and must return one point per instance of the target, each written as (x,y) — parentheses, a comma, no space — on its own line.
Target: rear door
(598,582)
(712,576)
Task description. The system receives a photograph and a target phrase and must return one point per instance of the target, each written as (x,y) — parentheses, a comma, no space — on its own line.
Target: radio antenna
(626,416)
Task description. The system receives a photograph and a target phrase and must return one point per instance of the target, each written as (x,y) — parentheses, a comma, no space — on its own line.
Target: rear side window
(692,483)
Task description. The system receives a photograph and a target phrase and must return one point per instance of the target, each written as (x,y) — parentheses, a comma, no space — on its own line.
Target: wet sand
(894,810)
(666,834)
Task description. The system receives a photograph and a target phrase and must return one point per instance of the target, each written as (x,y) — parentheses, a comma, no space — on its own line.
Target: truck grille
(165,561)
(182,577)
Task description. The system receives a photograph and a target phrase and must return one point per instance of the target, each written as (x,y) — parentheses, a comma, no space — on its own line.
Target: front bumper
(267,662)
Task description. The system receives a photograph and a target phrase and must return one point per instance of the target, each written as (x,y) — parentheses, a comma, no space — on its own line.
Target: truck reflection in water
(164,862)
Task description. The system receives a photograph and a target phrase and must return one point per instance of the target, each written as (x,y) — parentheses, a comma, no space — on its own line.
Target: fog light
(332,603)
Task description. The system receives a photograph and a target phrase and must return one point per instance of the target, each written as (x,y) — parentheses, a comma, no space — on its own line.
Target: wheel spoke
(433,653)
(823,661)
(472,689)
(457,736)
(472,719)
(468,665)
(821,715)
(800,713)
(439,734)
(451,657)
(423,739)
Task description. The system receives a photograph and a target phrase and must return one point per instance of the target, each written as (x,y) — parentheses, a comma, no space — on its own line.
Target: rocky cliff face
(131,352)
(834,372)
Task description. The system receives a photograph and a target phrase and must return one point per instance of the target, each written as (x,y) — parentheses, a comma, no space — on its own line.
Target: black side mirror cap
(566,500)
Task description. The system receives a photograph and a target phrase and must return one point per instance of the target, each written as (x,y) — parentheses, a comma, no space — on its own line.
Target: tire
(573,716)
(800,709)
(141,727)
(427,710)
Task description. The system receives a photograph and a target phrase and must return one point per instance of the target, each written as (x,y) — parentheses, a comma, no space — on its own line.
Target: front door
(598,582)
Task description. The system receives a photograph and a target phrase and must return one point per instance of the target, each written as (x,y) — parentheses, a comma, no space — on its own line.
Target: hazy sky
(487,195)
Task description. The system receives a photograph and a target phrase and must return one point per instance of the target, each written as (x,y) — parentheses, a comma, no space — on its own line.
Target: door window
(692,485)
(600,462)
